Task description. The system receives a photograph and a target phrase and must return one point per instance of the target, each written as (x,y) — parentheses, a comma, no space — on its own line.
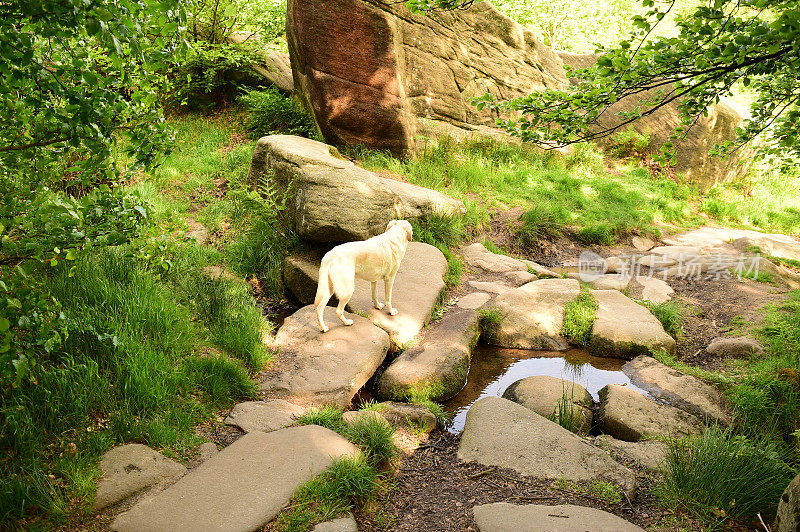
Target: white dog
(373,259)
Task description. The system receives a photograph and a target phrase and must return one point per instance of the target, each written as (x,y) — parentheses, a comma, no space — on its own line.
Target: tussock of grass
(489,322)
(328,416)
(579,316)
(375,437)
(671,314)
(719,475)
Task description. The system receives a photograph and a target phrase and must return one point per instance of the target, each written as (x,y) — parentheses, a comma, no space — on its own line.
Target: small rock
(401,414)
(742,346)
(265,416)
(542,394)
(540,271)
(355,416)
(519,278)
(478,256)
(130,468)
(491,287)
(630,416)
(473,301)
(531,316)
(499,432)
(505,517)
(655,290)
(678,389)
(788,519)
(615,281)
(344,524)
(642,243)
(648,453)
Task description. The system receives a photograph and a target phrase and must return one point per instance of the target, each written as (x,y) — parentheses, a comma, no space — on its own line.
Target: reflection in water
(494,369)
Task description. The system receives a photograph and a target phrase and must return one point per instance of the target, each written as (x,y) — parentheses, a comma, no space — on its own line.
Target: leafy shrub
(375,438)
(719,475)
(269,112)
(579,318)
(629,143)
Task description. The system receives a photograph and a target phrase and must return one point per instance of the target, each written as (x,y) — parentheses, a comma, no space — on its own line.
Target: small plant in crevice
(579,316)
(328,416)
(375,437)
(489,320)
(671,314)
(567,413)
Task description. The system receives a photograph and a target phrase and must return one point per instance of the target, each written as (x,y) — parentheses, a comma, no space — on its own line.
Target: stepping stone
(477,256)
(264,416)
(344,524)
(204,452)
(531,316)
(642,243)
(609,281)
(438,368)
(542,394)
(417,286)
(540,271)
(519,278)
(648,453)
(676,253)
(499,432)
(788,518)
(776,245)
(325,367)
(505,517)
(491,287)
(241,488)
(130,468)
(678,389)
(630,416)
(625,329)
(655,290)
(742,346)
(473,301)
(402,414)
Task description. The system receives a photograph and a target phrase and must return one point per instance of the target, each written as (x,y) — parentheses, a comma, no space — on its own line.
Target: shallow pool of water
(494,369)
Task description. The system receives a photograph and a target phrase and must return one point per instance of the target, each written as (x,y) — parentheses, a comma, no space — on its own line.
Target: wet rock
(330,199)
(343,524)
(544,395)
(531,316)
(502,433)
(438,368)
(788,519)
(648,453)
(242,487)
(264,416)
(678,389)
(473,301)
(325,367)
(477,256)
(130,468)
(625,329)
(726,346)
(505,517)
(630,416)
(403,414)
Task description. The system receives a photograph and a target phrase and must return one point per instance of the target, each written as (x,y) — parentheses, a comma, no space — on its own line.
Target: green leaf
(4,325)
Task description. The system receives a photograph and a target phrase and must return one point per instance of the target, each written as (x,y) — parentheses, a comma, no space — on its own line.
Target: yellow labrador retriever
(373,259)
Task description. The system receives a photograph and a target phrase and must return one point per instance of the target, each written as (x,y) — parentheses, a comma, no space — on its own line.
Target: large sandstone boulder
(330,199)
(630,416)
(788,519)
(504,517)
(531,316)
(329,367)
(678,389)
(243,486)
(549,396)
(625,329)
(499,432)
(438,368)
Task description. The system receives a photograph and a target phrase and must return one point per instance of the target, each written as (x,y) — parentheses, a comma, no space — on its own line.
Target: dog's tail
(324,286)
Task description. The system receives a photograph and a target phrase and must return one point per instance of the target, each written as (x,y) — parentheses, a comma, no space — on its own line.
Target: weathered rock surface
(502,433)
(438,368)
(655,290)
(642,243)
(543,394)
(130,468)
(630,416)
(264,416)
(726,346)
(531,316)
(357,416)
(490,286)
(343,524)
(325,367)
(776,245)
(402,414)
(625,329)
(473,301)
(330,199)
(678,389)
(788,519)
(609,281)
(519,278)
(477,256)
(505,517)
(417,286)
(242,487)
(204,452)
(275,66)
(648,453)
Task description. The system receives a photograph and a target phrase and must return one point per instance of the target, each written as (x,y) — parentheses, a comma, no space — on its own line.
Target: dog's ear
(391,224)
(409,231)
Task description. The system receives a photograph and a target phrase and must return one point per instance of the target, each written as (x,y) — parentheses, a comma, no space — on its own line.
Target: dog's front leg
(388,283)
(378,305)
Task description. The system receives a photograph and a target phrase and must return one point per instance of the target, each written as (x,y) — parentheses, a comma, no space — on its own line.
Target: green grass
(720,475)
(489,322)
(328,416)
(671,314)
(579,316)
(270,112)
(594,488)
(375,437)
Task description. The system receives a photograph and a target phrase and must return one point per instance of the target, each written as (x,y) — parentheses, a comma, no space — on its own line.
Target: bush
(719,475)
(629,143)
(270,112)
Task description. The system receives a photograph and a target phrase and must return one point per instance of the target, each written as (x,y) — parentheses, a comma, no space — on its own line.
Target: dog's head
(404,225)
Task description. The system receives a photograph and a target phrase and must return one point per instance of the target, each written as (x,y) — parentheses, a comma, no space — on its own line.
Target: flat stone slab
(492,287)
(130,468)
(242,487)
(506,517)
(477,256)
(473,301)
(519,278)
(543,394)
(648,453)
(499,432)
(438,368)
(625,329)
(343,524)
(419,282)
(678,389)
(741,346)
(630,416)
(325,367)
(531,316)
(264,416)
(733,240)
(655,290)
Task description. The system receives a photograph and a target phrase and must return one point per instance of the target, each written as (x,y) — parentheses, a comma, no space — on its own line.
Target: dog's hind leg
(344,284)
(388,284)
(323,296)
(378,304)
